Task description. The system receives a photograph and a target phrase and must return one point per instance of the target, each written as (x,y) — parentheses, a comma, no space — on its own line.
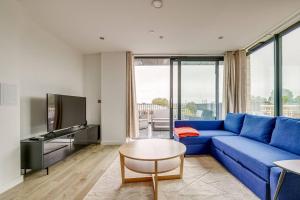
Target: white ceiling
(188,26)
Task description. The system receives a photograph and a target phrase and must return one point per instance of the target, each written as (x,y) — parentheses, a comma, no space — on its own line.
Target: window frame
(258,47)
(179,59)
(277,39)
(217,61)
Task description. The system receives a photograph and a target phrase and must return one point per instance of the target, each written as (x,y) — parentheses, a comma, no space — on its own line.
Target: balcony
(154,121)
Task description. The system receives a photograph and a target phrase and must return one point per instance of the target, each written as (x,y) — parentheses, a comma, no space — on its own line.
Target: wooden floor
(71,178)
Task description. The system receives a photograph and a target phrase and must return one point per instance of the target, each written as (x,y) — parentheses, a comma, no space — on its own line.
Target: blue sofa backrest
(200,124)
(258,128)
(286,134)
(234,122)
(281,132)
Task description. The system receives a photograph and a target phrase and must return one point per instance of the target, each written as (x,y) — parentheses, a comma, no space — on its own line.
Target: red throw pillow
(182,132)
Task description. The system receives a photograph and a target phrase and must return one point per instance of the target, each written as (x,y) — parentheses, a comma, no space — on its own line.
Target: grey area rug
(204,178)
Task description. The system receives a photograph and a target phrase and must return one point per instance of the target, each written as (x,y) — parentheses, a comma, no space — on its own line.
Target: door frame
(215,59)
(179,59)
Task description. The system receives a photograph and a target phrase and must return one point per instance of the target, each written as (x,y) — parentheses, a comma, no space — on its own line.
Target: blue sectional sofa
(247,145)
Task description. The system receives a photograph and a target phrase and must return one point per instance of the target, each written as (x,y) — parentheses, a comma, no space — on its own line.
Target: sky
(152,82)
(198,81)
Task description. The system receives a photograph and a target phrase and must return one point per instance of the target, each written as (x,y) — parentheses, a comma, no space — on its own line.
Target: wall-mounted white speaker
(8,94)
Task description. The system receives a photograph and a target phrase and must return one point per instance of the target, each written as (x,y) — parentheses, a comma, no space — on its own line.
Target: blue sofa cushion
(234,122)
(259,186)
(286,134)
(253,155)
(205,136)
(258,127)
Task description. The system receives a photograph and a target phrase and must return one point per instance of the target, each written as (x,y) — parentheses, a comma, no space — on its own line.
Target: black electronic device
(65,112)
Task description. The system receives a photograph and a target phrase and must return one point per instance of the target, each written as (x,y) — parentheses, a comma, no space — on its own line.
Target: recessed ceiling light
(101,38)
(157,3)
(220,37)
(161,37)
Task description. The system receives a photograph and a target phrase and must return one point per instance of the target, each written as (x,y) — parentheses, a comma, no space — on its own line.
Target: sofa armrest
(290,187)
(201,124)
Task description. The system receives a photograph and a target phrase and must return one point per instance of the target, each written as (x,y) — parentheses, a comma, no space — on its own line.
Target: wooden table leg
(279,184)
(155,178)
(181,165)
(122,165)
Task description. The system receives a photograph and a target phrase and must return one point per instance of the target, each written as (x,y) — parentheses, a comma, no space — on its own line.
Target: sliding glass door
(196,89)
(152,77)
(169,89)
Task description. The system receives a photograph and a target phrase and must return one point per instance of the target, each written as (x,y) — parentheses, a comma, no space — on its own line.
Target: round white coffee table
(153,157)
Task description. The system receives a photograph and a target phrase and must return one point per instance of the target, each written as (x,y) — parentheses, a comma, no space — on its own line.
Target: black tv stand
(43,151)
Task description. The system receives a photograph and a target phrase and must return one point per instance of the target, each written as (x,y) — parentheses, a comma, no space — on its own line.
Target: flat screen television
(65,111)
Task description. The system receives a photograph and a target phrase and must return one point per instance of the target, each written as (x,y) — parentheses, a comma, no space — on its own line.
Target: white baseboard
(11,184)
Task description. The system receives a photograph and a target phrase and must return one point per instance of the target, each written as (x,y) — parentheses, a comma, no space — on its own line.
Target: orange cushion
(186,132)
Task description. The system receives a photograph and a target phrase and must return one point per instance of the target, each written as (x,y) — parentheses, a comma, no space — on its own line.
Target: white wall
(9,115)
(113,93)
(48,66)
(38,63)
(92,87)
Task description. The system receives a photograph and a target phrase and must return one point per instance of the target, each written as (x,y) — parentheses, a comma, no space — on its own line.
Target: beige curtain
(236,79)
(131,106)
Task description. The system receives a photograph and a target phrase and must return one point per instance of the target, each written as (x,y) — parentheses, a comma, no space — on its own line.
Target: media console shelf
(42,152)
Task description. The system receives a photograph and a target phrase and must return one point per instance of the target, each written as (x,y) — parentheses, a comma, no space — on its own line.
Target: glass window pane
(198,90)
(261,100)
(152,78)
(291,74)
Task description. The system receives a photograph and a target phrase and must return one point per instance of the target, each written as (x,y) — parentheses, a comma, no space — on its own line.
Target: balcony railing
(159,116)
(287,110)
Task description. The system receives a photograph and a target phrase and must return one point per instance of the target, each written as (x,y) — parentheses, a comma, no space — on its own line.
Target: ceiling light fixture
(101,38)
(157,3)
(161,37)
(220,37)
